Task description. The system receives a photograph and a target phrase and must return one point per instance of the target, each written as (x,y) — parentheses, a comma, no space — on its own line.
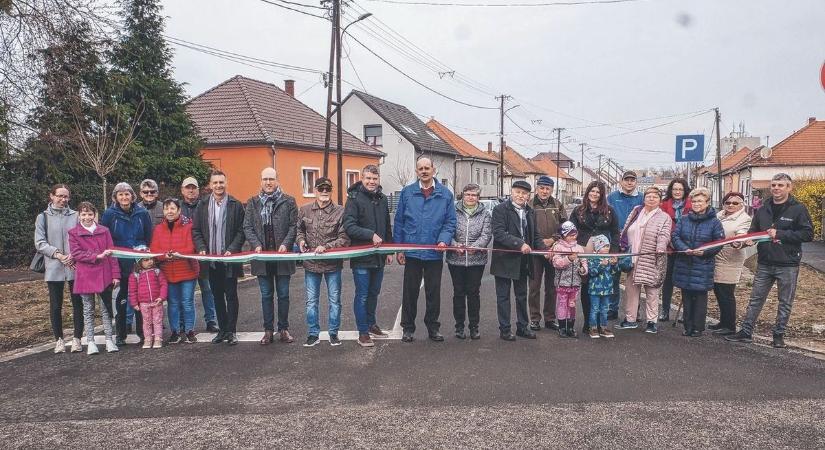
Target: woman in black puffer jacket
(592,218)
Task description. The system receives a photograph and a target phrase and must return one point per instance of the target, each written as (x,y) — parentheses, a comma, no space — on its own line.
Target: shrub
(811,194)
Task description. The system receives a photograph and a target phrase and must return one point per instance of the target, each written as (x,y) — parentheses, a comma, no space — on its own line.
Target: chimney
(489,147)
(811,120)
(289,87)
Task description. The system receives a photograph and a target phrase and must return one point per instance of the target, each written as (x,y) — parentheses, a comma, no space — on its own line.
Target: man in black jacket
(367,222)
(217,229)
(789,225)
(190,199)
(513,229)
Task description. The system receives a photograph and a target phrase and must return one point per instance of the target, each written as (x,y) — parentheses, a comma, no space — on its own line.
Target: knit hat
(568,228)
(600,242)
(544,180)
(123,186)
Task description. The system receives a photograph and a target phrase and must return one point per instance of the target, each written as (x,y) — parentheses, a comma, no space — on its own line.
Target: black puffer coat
(367,213)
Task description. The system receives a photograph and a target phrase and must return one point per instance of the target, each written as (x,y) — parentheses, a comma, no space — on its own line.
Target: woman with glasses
(677,205)
(149,200)
(736,222)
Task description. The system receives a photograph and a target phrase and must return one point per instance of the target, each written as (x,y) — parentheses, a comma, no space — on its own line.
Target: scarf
(217,225)
(90,229)
(267,203)
(522,215)
(469,210)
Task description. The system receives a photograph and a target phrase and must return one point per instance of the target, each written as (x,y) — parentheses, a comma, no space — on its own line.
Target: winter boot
(571,329)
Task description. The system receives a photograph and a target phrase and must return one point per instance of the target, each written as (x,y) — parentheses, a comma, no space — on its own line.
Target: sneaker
(77,347)
(333,340)
(212,327)
(606,333)
(651,328)
(91,349)
(312,341)
(376,331)
(778,341)
(60,346)
(147,343)
(158,343)
(715,326)
(535,326)
(740,336)
(594,333)
(365,340)
(625,325)
(111,347)
(190,337)
(174,339)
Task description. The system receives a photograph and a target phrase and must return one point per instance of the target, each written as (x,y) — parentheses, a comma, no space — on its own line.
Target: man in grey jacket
(269,224)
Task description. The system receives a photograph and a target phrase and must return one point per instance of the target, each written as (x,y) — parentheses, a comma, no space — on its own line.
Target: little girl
(148,289)
(602,272)
(96,274)
(569,271)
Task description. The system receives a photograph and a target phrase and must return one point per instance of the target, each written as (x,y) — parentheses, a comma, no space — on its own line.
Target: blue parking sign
(690,148)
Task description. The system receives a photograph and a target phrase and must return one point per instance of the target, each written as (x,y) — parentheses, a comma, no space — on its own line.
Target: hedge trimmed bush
(810,193)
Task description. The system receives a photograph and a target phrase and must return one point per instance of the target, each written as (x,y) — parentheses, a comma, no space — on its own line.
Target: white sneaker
(77,347)
(158,343)
(91,349)
(110,346)
(59,346)
(147,343)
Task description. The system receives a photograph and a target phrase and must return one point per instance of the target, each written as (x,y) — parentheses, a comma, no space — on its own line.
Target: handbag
(38,263)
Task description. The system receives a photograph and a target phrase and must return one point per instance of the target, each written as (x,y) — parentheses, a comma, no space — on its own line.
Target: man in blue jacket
(425,215)
(622,200)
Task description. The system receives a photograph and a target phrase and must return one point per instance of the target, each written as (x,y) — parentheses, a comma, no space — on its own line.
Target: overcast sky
(566,66)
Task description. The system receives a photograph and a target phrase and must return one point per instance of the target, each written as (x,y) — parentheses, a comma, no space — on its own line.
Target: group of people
(659,240)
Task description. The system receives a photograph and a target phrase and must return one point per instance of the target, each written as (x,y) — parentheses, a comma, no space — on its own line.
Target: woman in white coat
(736,221)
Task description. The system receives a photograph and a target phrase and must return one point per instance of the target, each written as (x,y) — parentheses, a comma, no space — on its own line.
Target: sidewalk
(813,254)
(17,275)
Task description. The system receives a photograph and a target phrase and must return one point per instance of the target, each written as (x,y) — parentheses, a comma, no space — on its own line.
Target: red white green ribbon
(388,249)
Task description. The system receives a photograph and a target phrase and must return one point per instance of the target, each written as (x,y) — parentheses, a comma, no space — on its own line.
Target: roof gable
(552,156)
(550,169)
(458,143)
(521,163)
(804,147)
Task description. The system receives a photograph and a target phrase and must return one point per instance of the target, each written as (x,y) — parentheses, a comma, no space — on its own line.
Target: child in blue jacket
(602,272)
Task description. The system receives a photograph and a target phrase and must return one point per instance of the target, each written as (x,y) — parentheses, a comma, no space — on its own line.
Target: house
(472,165)
(520,163)
(707,176)
(401,135)
(567,186)
(585,175)
(248,125)
(565,162)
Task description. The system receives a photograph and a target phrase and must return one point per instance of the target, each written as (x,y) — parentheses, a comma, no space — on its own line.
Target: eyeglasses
(149,192)
(324,189)
(733,203)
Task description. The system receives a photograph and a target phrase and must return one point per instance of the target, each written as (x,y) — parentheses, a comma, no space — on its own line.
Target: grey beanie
(123,186)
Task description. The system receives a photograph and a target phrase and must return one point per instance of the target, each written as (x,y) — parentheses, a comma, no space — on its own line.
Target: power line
(651,127)
(304,5)
(198,47)
(525,131)
(273,3)
(354,70)
(501,5)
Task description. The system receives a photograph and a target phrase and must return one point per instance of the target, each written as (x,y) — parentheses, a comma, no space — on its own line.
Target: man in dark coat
(190,199)
(789,225)
(269,224)
(549,215)
(367,222)
(513,229)
(217,229)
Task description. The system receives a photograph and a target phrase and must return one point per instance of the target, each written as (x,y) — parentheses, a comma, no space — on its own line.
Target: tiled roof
(246,111)
(590,172)
(521,163)
(730,160)
(458,143)
(509,169)
(549,168)
(805,147)
(406,123)
(552,156)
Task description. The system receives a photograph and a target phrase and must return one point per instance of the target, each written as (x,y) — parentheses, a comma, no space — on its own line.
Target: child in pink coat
(148,290)
(568,280)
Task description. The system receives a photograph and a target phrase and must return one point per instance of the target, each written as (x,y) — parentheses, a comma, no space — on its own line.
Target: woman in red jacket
(174,235)
(677,205)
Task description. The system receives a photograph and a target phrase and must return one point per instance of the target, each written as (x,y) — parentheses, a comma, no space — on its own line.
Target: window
(444,182)
(373,135)
(409,130)
(433,135)
(478,176)
(495,172)
(352,177)
(309,175)
(485,176)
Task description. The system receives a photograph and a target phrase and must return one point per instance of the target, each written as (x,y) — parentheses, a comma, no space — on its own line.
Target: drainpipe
(455,176)
(274,166)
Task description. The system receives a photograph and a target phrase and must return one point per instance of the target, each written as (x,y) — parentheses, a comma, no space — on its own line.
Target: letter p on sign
(690,148)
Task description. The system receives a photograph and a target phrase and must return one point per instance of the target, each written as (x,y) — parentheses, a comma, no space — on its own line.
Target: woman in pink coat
(96,273)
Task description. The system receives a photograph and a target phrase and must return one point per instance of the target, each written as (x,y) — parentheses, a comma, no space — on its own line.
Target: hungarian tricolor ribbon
(388,249)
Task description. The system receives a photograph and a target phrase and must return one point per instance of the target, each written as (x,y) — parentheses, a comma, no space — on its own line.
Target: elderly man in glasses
(149,200)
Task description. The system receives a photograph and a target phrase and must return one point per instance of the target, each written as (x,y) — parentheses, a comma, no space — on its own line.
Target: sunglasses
(149,192)
(324,189)
(733,203)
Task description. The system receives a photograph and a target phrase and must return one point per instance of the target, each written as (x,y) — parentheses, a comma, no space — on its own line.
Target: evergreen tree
(141,60)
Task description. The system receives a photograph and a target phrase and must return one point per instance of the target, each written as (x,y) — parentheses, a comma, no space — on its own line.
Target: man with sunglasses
(149,200)
(320,228)
(789,225)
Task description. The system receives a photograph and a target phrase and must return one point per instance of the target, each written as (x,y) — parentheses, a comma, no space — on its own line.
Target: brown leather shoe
(286,338)
(376,331)
(364,340)
(268,338)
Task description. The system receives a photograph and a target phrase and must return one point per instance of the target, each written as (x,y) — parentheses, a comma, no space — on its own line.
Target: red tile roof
(549,168)
(805,147)
(730,160)
(521,163)
(246,111)
(458,143)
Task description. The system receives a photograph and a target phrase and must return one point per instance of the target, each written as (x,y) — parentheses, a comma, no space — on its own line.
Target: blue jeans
(181,297)
(208,301)
(269,284)
(312,281)
(599,304)
(367,287)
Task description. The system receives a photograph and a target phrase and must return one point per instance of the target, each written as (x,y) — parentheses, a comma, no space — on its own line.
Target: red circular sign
(822,76)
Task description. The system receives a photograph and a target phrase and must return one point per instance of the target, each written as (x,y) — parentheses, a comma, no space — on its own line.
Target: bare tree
(103,139)
(400,173)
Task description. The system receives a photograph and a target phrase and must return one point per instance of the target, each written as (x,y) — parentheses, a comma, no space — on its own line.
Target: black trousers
(56,309)
(727,304)
(667,287)
(503,303)
(120,305)
(414,271)
(585,299)
(466,294)
(225,292)
(695,309)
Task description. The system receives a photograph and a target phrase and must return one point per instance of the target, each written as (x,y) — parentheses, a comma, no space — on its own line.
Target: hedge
(810,193)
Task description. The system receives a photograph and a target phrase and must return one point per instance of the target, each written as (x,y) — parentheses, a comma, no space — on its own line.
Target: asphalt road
(636,390)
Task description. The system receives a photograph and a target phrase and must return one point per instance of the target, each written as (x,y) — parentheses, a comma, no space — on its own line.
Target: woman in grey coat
(467,266)
(51,239)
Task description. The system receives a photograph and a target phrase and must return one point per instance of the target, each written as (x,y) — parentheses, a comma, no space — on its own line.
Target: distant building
(472,165)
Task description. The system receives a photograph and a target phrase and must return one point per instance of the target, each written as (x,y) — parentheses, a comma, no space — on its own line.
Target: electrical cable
(501,5)
(270,2)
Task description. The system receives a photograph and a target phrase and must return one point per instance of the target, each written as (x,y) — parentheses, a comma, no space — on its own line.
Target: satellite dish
(766,152)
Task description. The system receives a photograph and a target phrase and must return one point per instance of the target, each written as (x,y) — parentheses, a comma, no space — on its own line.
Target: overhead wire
(501,5)
(281,5)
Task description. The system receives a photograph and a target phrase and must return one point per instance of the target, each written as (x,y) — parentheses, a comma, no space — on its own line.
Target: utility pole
(718,157)
(600,167)
(329,91)
(502,98)
(340,135)
(558,154)
(581,168)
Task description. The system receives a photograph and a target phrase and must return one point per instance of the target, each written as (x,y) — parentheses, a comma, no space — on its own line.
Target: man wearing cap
(320,228)
(190,193)
(513,227)
(549,215)
(425,215)
(622,200)
(269,224)
(788,223)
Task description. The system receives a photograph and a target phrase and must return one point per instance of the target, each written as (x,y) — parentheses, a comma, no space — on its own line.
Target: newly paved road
(636,390)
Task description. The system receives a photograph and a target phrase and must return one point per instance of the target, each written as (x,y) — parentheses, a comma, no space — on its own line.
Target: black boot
(571,331)
(562,328)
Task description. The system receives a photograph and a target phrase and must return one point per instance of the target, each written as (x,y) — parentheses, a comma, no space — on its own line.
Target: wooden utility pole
(581,169)
(558,153)
(600,167)
(718,157)
(502,98)
(329,94)
(340,134)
